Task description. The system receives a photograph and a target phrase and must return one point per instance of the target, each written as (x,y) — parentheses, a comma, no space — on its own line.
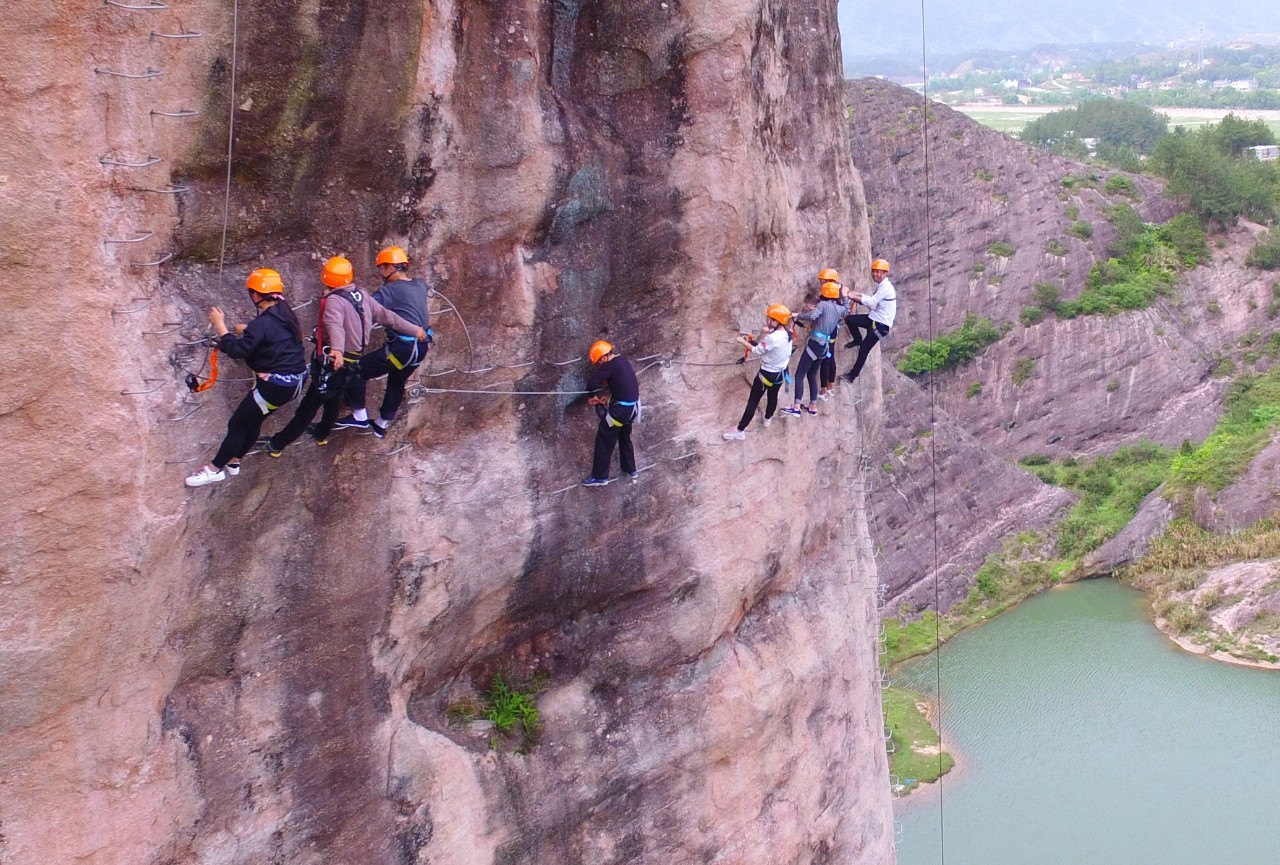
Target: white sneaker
(733,435)
(205,476)
(232,469)
(767,421)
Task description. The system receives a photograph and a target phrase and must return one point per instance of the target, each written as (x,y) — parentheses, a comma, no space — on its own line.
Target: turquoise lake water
(1083,736)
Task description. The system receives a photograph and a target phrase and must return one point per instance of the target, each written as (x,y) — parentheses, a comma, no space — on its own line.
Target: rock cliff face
(260,671)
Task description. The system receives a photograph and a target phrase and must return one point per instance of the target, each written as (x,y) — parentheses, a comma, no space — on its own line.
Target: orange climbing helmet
(337,272)
(881,265)
(831,290)
(828,274)
(599,349)
(392,255)
(779,313)
(264,280)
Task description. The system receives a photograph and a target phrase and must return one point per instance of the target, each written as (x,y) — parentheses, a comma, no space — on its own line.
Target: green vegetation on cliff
(1251,412)
(1110,487)
(1143,266)
(951,349)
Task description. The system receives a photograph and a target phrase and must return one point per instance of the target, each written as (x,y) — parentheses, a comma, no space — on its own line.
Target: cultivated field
(1011,118)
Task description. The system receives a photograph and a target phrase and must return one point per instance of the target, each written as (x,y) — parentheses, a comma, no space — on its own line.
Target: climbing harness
(607,416)
(415,356)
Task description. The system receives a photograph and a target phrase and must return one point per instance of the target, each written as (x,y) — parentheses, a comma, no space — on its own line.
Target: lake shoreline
(1194,648)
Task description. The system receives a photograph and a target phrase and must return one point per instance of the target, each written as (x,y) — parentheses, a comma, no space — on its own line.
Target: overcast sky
(892,27)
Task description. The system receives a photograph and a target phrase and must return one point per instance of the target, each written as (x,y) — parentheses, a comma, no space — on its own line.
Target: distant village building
(1266,152)
(1245,85)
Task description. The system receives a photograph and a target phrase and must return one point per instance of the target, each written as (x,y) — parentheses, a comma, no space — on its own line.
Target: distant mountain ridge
(893,29)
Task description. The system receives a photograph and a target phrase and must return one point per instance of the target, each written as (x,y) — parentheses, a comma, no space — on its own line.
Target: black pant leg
(803,369)
(864,349)
(331,404)
(771,403)
(753,402)
(394,396)
(373,365)
(242,431)
(812,375)
(304,414)
(626,454)
(606,438)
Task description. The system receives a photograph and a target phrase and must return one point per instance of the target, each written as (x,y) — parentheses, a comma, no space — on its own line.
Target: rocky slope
(261,671)
(1096,382)
(925,465)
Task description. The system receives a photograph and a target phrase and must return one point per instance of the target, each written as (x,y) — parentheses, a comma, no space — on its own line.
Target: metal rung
(150,73)
(137,239)
(181,112)
(151,160)
(185,416)
(156,263)
(152,390)
(134,6)
(168,190)
(564,362)
(132,311)
(192,35)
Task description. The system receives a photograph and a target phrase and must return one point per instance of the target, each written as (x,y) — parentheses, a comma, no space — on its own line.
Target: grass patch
(509,706)
(1081,230)
(1055,247)
(1265,253)
(917,758)
(1118,184)
(950,349)
(1023,370)
(1002,249)
(1250,416)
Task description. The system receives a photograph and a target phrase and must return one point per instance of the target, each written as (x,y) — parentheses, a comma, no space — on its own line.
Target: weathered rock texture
(942,502)
(259,671)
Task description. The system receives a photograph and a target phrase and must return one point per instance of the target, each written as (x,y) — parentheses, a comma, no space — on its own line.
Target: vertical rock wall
(260,671)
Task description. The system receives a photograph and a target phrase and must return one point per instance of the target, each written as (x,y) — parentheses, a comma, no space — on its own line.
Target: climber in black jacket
(271,345)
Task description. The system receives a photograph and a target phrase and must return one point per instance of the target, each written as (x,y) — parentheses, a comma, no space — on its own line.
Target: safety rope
(231,138)
(422,389)
(209,382)
(471,354)
(933,439)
